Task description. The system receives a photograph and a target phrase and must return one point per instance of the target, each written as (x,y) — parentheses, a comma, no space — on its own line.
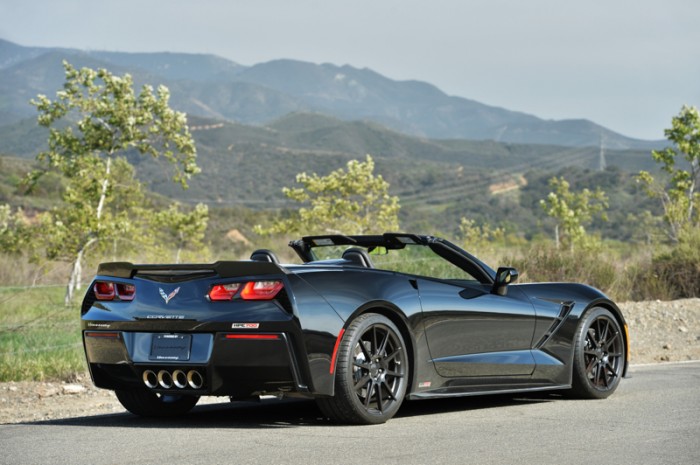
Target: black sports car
(361,324)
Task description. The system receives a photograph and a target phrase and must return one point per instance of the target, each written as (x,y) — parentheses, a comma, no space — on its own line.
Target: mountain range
(213,87)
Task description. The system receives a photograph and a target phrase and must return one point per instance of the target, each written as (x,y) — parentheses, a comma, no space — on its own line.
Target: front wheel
(149,404)
(599,356)
(371,372)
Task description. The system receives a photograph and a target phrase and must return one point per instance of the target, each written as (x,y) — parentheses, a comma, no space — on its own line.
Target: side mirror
(504,277)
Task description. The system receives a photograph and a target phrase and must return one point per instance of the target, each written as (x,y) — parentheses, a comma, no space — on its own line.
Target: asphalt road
(653,418)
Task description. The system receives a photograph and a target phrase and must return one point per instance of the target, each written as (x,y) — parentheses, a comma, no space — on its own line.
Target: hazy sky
(628,65)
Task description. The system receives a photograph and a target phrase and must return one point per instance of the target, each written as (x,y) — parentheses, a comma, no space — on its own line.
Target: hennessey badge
(167,297)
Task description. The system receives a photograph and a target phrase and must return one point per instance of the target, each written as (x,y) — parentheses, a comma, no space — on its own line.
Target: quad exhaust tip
(178,379)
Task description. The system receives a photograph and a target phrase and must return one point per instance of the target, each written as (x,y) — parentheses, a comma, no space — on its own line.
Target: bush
(544,263)
(678,271)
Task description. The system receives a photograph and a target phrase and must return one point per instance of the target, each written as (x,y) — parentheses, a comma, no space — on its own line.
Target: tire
(371,375)
(149,404)
(599,355)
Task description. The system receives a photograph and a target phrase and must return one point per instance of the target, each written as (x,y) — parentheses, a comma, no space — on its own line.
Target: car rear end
(227,329)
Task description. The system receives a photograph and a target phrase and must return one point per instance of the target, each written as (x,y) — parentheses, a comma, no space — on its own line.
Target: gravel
(659,332)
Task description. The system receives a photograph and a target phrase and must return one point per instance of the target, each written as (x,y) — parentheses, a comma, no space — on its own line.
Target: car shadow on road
(286,413)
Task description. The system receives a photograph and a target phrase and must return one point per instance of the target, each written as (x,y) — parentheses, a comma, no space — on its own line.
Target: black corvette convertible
(362,323)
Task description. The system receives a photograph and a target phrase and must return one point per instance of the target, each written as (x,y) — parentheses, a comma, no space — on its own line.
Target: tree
(184,230)
(93,123)
(343,202)
(679,196)
(572,211)
(476,238)
(13,229)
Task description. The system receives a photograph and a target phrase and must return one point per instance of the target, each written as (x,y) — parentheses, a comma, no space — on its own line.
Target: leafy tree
(13,229)
(679,196)
(184,230)
(348,202)
(478,237)
(93,122)
(572,211)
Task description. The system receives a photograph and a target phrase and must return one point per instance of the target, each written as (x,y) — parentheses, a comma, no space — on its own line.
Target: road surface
(653,418)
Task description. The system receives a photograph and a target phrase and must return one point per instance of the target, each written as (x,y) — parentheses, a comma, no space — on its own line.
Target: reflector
(253,336)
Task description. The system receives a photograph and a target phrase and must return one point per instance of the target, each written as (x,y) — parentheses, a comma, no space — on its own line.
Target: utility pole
(601,157)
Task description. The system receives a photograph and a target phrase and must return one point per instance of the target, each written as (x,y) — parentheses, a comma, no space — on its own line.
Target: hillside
(213,87)
(438,181)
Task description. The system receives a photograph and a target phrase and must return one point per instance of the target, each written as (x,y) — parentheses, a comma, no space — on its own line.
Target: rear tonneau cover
(224,269)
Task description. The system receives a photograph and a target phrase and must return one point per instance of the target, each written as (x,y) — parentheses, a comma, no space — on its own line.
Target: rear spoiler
(225,269)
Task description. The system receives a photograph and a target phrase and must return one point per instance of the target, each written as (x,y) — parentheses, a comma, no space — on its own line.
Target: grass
(39,336)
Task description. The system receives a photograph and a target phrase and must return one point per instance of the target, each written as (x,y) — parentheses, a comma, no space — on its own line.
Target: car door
(473,332)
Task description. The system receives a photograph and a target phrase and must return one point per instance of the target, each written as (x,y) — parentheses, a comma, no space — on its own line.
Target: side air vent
(564,311)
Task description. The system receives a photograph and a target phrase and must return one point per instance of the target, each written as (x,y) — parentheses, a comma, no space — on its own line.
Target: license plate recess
(171,347)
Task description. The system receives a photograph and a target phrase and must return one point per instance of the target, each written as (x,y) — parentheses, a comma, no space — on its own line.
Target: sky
(629,65)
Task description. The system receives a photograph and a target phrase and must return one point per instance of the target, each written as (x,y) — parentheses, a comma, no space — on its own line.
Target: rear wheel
(599,356)
(149,404)
(371,372)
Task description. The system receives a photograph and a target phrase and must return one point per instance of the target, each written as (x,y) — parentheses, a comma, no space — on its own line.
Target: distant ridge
(213,87)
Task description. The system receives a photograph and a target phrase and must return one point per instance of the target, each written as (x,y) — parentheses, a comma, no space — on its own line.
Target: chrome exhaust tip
(195,379)
(179,379)
(165,379)
(150,379)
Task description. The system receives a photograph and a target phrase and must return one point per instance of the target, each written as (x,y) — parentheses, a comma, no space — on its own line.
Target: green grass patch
(39,336)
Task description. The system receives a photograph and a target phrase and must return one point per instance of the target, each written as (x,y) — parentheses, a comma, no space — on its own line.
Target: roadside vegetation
(83,204)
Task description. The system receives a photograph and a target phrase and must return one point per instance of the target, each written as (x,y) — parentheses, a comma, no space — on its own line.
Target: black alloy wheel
(371,372)
(599,357)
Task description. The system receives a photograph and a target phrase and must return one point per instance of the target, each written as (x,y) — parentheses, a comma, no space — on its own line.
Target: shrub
(544,263)
(678,270)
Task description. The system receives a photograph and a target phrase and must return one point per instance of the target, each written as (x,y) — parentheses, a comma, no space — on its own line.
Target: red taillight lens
(102,334)
(223,291)
(104,290)
(261,290)
(126,291)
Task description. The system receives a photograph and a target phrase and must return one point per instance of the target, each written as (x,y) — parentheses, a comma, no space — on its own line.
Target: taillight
(252,290)
(223,291)
(261,290)
(105,290)
(126,291)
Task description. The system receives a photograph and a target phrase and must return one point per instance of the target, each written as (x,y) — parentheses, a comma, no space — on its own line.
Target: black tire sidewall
(581,385)
(344,368)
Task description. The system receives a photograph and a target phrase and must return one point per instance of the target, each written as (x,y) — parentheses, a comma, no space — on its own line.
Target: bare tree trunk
(103,194)
(556,235)
(76,274)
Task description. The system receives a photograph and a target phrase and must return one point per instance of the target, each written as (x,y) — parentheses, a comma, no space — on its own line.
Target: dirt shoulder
(659,332)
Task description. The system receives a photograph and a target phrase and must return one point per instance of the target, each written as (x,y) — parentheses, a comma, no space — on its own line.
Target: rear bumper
(230,364)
